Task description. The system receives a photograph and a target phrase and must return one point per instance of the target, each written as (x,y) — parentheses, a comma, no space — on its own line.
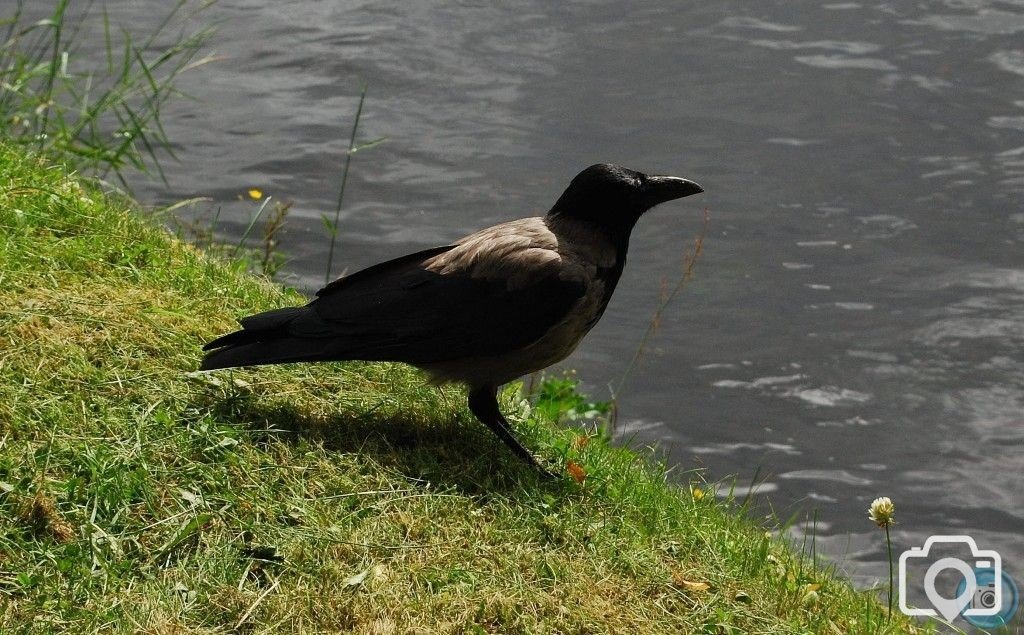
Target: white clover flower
(882,511)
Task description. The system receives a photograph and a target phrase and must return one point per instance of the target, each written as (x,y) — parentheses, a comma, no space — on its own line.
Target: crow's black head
(615,197)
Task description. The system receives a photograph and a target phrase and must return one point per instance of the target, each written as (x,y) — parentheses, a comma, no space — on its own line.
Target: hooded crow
(498,304)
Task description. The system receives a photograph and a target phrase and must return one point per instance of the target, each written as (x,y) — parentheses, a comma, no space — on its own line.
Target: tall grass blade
(105,119)
(341,188)
(58,28)
(252,223)
(689,262)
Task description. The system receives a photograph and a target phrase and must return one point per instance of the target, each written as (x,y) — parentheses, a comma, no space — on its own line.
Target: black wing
(401,310)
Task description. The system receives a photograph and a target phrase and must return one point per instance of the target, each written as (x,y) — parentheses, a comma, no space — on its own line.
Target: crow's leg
(483,403)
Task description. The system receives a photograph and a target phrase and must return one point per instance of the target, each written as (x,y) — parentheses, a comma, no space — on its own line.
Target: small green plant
(271,257)
(559,397)
(103,120)
(201,230)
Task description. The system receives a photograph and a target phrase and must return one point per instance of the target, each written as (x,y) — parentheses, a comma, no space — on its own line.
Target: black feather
(256,327)
(400,311)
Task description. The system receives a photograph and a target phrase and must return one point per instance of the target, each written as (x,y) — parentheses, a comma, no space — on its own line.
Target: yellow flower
(255,194)
(697,493)
(882,511)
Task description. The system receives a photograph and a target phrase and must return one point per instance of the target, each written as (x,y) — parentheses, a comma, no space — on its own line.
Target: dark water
(856,324)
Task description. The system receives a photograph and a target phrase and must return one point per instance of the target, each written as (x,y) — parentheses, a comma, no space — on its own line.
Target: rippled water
(856,324)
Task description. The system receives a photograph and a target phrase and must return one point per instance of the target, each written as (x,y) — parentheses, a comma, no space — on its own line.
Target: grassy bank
(139,496)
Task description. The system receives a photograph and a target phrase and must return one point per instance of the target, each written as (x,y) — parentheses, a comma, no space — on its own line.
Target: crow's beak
(659,189)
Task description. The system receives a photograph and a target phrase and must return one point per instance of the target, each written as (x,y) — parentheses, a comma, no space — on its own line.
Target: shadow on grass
(459,452)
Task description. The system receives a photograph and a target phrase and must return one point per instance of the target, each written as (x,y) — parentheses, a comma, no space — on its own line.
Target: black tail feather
(263,339)
(259,327)
(268,351)
(273,320)
(231,339)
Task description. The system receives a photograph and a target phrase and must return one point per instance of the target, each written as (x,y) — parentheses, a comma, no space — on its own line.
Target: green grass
(139,496)
(103,118)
